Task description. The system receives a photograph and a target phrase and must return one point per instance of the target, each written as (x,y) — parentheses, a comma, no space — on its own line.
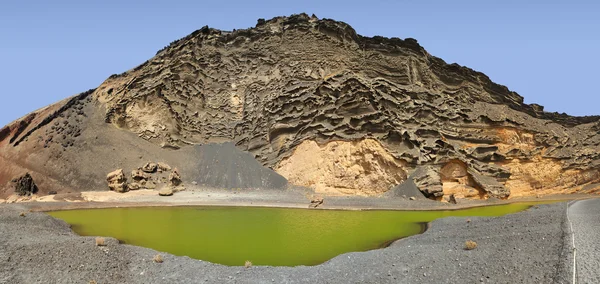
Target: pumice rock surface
(306,101)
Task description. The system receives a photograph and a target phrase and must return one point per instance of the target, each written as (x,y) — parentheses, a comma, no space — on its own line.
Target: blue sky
(547,51)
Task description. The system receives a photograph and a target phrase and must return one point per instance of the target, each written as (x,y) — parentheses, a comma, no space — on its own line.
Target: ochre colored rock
(174,178)
(139,175)
(163,167)
(165,192)
(150,167)
(117,181)
(362,167)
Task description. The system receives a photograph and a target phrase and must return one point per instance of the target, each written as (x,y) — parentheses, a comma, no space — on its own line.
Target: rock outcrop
(117,181)
(24,185)
(306,96)
(174,178)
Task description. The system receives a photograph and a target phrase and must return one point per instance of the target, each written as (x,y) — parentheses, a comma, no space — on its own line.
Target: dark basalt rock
(24,185)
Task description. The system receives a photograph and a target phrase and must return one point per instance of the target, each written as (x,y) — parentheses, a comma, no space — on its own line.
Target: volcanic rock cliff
(319,104)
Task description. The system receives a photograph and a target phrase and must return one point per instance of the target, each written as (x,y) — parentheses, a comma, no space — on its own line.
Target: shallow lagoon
(264,236)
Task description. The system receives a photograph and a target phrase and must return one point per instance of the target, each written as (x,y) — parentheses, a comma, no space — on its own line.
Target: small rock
(165,192)
(452,199)
(139,175)
(150,167)
(316,202)
(164,167)
(175,178)
(412,198)
(134,186)
(52,192)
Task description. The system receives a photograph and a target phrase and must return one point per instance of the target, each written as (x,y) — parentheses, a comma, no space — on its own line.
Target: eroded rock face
(150,167)
(326,83)
(174,178)
(300,84)
(24,185)
(117,181)
(355,168)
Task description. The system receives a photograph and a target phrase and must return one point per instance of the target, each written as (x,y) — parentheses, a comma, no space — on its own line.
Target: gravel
(526,247)
(585,218)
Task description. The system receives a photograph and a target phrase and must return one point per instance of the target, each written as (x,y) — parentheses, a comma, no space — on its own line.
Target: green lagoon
(264,236)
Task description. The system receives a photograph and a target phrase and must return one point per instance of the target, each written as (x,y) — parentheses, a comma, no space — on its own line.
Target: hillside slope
(319,104)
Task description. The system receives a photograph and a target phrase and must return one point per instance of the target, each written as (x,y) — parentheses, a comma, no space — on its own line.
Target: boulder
(174,178)
(165,192)
(24,185)
(150,167)
(452,199)
(117,181)
(139,175)
(490,185)
(428,180)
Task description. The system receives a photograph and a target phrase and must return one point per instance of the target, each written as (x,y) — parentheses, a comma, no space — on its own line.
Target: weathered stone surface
(322,83)
(134,186)
(428,180)
(163,167)
(150,167)
(117,181)
(490,185)
(139,175)
(174,178)
(165,192)
(24,185)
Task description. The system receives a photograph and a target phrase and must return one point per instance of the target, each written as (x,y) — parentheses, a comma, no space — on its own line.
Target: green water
(264,236)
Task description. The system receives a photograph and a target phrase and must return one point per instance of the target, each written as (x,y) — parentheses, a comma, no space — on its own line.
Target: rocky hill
(317,103)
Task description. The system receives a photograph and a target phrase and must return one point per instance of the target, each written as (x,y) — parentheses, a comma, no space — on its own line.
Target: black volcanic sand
(527,247)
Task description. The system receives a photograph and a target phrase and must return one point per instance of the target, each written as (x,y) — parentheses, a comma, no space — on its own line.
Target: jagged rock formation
(25,185)
(117,181)
(293,88)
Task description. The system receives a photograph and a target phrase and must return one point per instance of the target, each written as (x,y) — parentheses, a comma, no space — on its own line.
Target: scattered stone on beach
(150,167)
(412,198)
(52,192)
(194,183)
(165,192)
(174,178)
(117,181)
(139,175)
(24,185)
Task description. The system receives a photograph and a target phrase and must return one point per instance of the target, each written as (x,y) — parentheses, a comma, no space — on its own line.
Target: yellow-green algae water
(264,236)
